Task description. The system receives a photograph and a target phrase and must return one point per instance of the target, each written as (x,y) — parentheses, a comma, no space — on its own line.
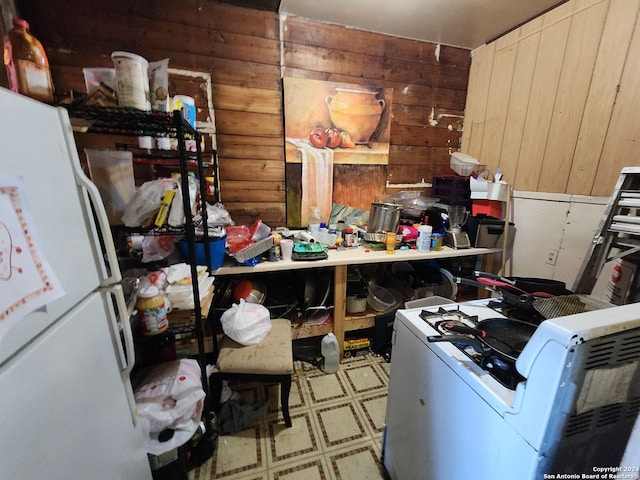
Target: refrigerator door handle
(121,327)
(111,275)
(123,341)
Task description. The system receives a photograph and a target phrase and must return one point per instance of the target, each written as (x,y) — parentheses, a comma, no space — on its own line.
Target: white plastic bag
(146,201)
(171,395)
(246,323)
(157,247)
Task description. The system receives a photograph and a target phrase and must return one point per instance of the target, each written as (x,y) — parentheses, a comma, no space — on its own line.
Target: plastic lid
(131,56)
(242,290)
(21,22)
(425,228)
(149,292)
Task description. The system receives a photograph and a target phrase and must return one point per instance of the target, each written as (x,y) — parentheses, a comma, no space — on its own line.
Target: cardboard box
(358,346)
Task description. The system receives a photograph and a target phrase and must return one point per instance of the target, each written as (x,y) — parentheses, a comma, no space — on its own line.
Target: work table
(341,259)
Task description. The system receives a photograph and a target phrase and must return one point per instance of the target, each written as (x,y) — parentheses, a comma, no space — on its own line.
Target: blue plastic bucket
(216,251)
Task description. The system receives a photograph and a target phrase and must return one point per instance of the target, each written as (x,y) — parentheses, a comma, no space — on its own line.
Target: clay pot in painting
(356,112)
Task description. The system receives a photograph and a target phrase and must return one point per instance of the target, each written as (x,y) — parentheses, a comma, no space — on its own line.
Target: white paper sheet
(26,279)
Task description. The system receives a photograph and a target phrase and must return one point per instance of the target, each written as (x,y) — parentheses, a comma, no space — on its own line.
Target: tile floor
(336,433)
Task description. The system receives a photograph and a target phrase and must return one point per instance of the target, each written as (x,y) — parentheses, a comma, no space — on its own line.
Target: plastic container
(152,311)
(380,298)
(356,297)
(210,185)
(423,242)
(187,106)
(216,251)
(391,242)
(315,220)
(254,250)
(132,80)
(26,63)
(238,237)
(330,353)
(93,77)
(463,164)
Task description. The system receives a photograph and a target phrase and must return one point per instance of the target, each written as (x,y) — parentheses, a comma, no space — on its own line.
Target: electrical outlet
(552,257)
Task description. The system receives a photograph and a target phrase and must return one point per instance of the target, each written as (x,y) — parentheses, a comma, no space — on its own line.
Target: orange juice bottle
(26,63)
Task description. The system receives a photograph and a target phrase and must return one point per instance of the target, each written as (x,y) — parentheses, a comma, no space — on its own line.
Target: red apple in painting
(318,137)
(333,137)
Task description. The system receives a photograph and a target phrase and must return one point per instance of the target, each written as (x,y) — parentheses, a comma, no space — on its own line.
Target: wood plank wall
(555,102)
(241,49)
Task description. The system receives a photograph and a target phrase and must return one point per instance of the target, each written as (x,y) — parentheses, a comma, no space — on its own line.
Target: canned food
(436,241)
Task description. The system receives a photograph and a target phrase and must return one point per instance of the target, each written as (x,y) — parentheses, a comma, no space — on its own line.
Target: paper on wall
(27,281)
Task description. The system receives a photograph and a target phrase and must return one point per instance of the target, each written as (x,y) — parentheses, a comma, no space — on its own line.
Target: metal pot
(384,217)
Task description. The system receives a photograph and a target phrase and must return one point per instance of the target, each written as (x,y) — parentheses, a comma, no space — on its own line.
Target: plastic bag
(170,395)
(218,215)
(176,212)
(246,323)
(157,247)
(146,201)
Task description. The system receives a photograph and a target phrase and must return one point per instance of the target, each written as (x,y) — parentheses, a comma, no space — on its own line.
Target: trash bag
(170,399)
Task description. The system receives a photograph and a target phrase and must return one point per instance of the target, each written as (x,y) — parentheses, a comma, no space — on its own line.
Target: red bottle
(26,63)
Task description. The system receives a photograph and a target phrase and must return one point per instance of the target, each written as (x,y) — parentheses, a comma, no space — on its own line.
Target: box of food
(355,347)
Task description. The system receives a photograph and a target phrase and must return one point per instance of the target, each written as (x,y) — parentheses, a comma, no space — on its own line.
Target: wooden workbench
(340,260)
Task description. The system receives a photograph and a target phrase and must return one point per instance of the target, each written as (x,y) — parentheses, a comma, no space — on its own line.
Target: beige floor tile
(325,387)
(360,462)
(340,423)
(364,378)
(300,441)
(239,454)
(314,469)
(374,408)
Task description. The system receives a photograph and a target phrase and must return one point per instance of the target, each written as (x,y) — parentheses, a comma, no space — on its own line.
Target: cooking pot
(503,336)
(384,217)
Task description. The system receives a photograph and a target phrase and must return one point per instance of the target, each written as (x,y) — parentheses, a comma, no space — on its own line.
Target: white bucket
(132,80)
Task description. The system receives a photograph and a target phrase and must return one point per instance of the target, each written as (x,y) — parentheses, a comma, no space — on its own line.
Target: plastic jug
(26,63)
(423,242)
(330,353)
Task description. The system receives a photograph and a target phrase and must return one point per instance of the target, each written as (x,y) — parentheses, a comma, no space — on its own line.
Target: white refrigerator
(66,403)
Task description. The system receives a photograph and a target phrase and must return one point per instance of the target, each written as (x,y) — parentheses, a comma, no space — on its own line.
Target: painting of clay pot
(320,171)
(355,111)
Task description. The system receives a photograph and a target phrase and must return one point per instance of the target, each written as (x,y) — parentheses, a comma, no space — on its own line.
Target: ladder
(618,234)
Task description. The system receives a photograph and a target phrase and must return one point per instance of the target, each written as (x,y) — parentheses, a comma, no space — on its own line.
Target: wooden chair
(270,361)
